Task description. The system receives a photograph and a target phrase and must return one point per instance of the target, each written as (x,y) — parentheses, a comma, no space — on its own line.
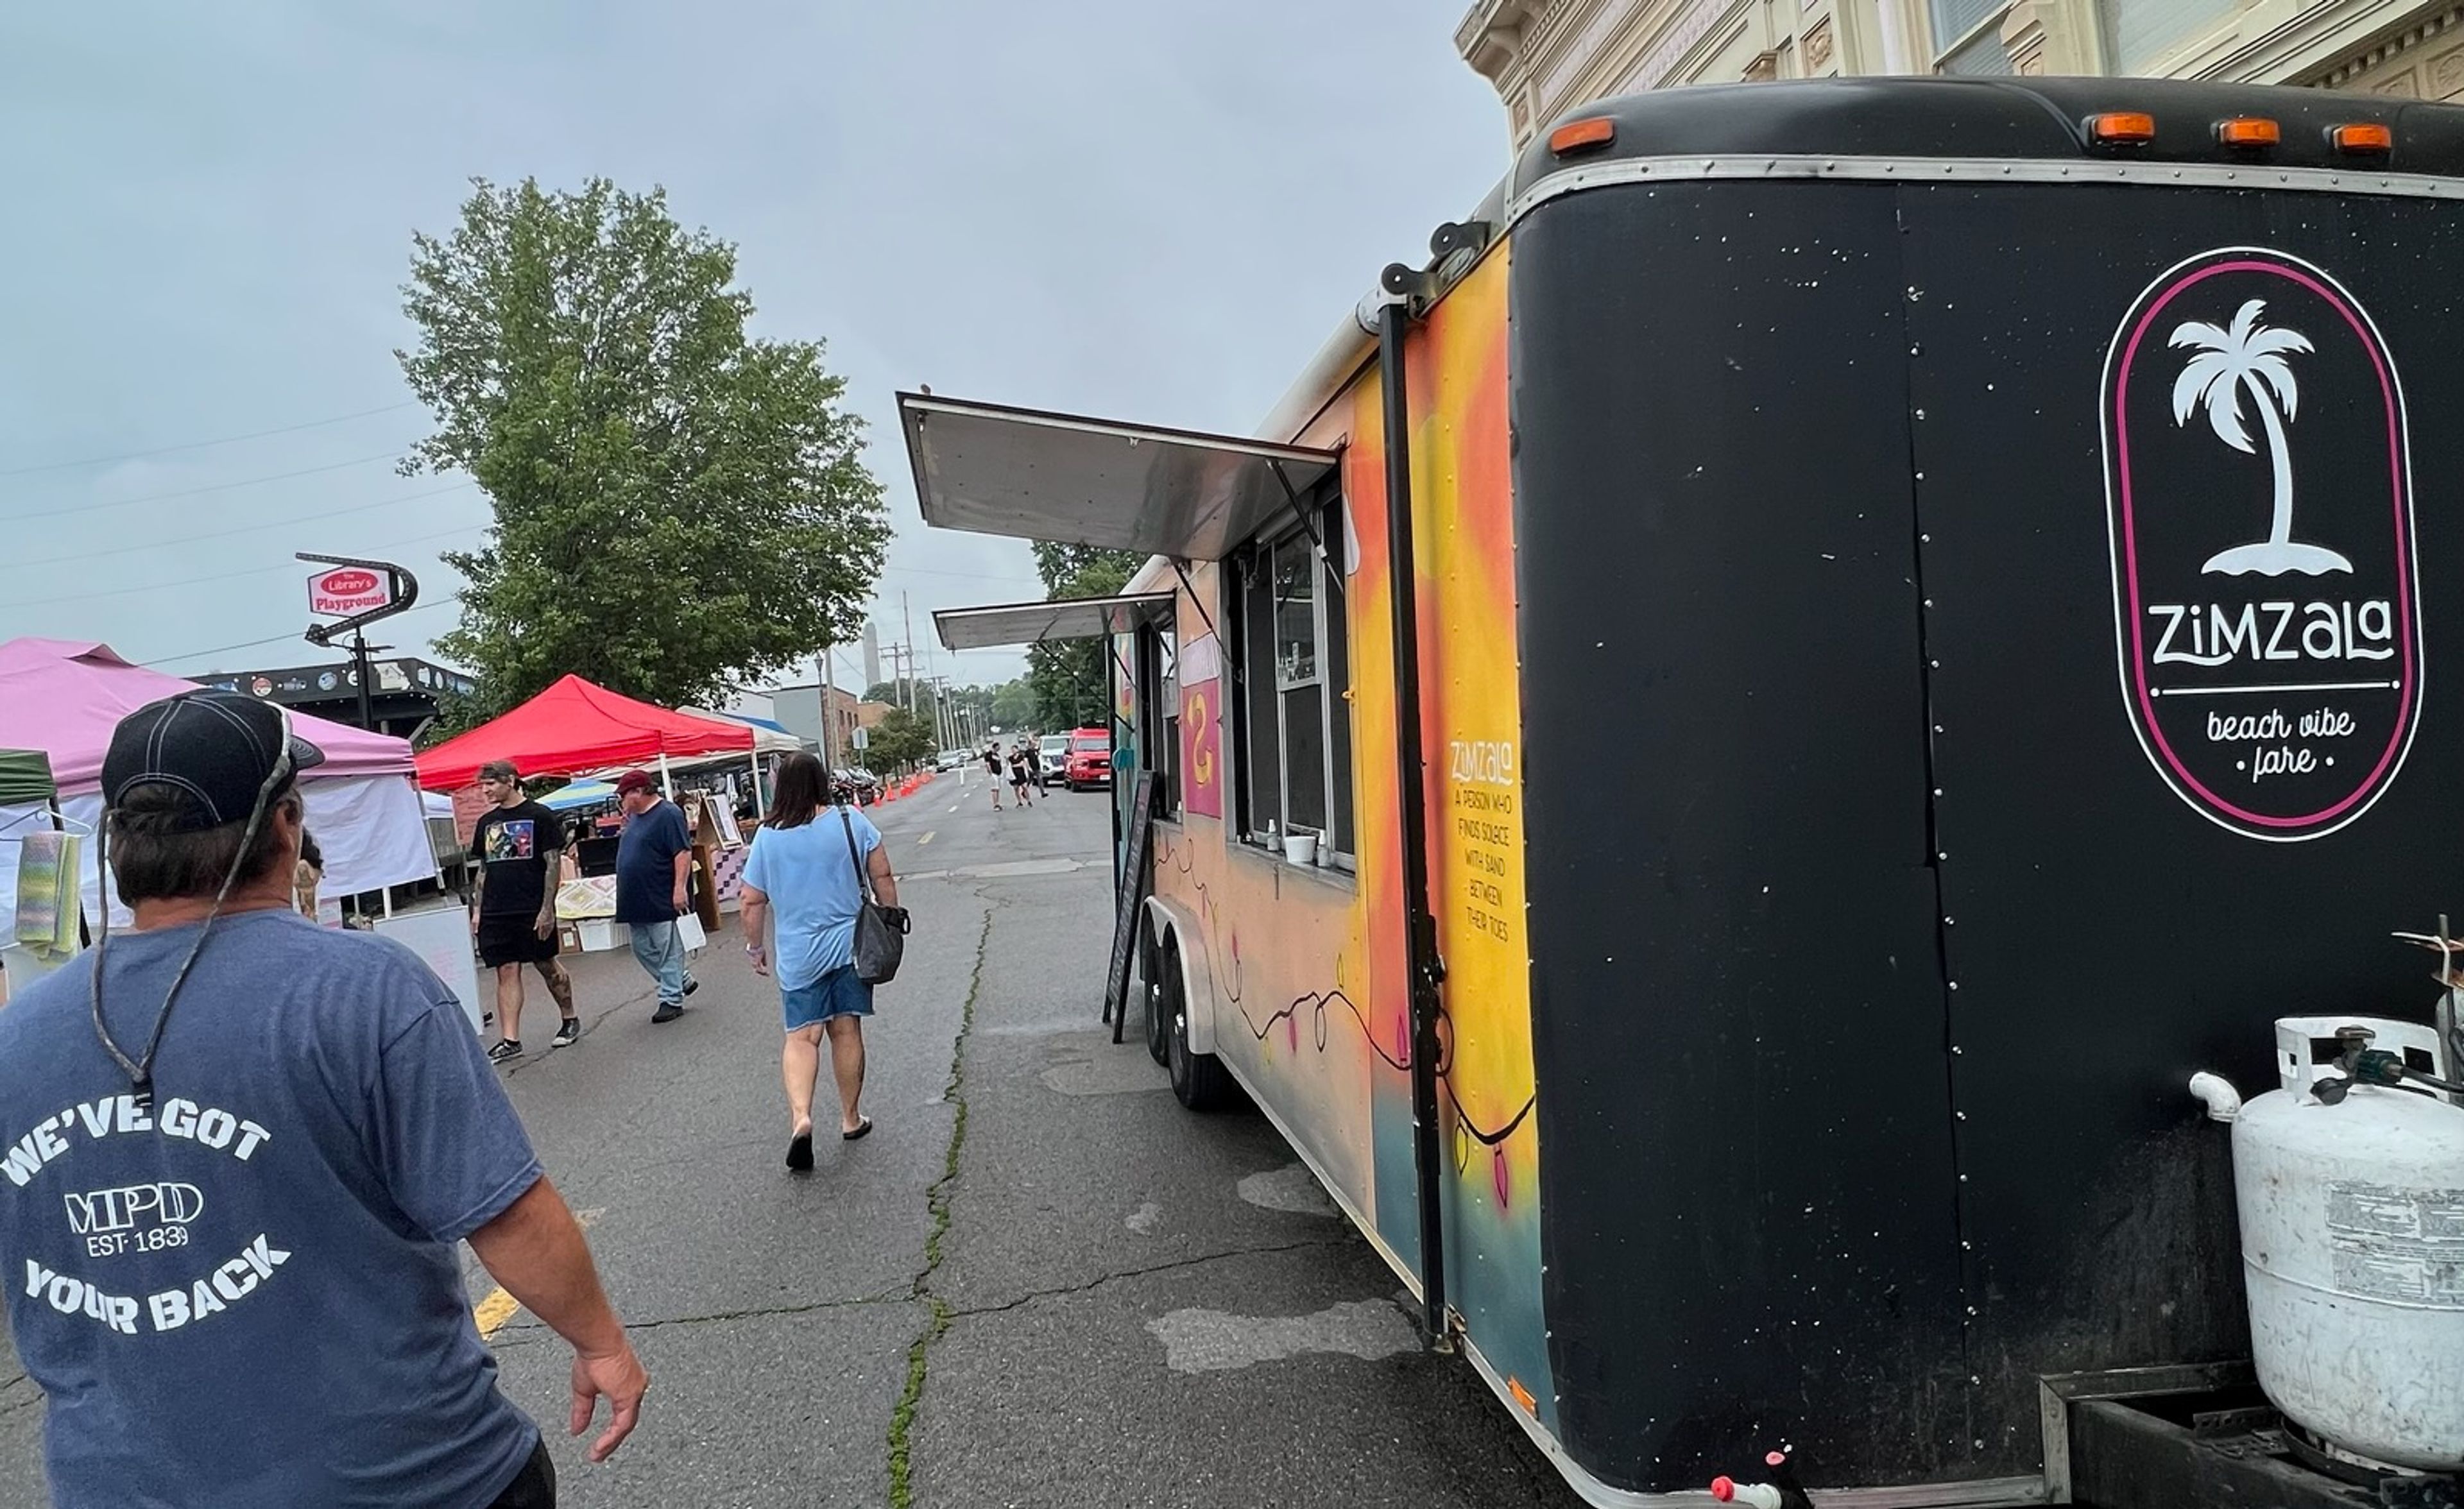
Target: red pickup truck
(1091,758)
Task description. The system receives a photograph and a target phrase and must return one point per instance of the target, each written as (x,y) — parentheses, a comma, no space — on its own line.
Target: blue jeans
(660,948)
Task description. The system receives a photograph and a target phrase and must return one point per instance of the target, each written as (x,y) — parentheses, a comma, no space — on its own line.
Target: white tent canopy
(63,697)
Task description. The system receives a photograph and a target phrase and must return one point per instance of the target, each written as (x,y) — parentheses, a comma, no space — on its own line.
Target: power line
(232,576)
(277,638)
(243,529)
(200,445)
(189,492)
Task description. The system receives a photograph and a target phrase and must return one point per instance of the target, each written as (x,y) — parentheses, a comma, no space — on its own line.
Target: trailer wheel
(1198,1079)
(1158,1014)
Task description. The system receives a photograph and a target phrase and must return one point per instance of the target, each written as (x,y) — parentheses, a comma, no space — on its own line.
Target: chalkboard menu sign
(1131,901)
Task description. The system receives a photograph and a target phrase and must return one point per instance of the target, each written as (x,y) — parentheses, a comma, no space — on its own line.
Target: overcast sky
(1140,209)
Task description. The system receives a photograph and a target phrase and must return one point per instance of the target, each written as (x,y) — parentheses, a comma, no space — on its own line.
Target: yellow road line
(492,1312)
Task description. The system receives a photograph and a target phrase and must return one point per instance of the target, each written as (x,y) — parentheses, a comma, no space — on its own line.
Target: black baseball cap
(216,747)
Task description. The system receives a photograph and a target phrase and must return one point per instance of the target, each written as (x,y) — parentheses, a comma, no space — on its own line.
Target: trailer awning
(1032,475)
(1033,622)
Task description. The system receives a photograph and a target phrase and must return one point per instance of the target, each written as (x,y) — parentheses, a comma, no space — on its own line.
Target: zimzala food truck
(1916,612)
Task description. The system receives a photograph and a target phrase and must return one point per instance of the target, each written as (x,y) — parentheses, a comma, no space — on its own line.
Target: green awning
(24,775)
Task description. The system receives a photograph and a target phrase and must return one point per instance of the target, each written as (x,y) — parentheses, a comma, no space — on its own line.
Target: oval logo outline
(2225,364)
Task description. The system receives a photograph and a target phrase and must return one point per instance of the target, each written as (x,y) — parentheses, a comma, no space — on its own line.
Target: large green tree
(679,507)
(897,741)
(1069,678)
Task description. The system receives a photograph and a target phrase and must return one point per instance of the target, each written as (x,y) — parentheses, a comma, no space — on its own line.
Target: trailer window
(1294,744)
(1166,757)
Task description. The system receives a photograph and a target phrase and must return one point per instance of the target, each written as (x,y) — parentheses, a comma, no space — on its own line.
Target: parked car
(1051,759)
(1091,758)
(951,759)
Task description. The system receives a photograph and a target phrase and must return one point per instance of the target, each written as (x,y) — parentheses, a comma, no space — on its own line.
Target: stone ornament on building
(1817,46)
(1762,69)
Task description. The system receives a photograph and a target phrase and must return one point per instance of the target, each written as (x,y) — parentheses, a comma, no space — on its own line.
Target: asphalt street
(1039,1281)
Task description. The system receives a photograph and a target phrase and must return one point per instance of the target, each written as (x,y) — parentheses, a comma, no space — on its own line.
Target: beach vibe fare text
(2266,603)
(151,1217)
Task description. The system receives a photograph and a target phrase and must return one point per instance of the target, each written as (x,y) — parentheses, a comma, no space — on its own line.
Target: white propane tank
(2352,1236)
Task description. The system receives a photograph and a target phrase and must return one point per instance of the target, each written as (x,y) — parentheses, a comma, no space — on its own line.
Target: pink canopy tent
(576,726)
(64,696)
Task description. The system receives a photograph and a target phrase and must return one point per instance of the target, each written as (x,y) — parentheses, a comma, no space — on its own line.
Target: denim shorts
(836,993)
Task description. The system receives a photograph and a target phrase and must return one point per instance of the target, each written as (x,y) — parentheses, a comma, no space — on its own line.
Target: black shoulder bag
(880,932)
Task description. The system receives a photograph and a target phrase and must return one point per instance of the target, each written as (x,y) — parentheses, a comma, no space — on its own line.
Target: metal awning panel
(1034,622)
(993,470)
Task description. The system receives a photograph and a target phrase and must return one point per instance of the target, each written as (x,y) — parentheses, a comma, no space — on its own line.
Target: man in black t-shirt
(518,846)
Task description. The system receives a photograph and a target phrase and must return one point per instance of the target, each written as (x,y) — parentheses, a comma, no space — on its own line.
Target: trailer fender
(1168,921)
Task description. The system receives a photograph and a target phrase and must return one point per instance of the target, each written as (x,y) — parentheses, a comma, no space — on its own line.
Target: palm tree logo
(2251,357)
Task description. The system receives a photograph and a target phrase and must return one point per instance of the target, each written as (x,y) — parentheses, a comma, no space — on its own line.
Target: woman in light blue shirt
(804,871)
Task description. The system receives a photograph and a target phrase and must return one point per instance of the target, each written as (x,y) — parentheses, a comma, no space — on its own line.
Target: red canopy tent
(576,726)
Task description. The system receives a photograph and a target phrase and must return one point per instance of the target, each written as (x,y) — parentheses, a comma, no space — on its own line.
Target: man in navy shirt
(654,859)
(229,1232)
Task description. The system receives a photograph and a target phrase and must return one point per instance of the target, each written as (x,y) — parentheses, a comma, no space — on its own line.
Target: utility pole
(907,633)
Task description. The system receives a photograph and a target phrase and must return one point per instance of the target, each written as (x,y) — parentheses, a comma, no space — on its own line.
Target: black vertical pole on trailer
(1425,971)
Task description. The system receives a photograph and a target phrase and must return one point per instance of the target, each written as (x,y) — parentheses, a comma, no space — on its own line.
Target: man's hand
(621,1378)
(681,906)
(474,922)
(546,927)
(760,958)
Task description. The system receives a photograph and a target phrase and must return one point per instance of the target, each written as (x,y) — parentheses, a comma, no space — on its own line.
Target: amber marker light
(1577,136)
(2248,131)
(2363,138)
(2122,128)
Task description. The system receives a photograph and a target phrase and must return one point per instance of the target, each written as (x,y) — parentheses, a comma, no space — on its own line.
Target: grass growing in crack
(911,1400)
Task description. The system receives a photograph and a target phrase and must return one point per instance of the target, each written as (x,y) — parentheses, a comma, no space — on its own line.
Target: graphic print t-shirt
(517,844)
(248,1296)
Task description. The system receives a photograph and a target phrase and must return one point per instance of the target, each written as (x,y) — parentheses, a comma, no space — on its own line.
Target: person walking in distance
(993,768)
(276,1128)
(803,872)
(1020,774)
(654,861)
(518,845)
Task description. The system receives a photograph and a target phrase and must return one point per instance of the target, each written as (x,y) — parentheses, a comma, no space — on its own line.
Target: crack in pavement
(936,1199)
(1102,1280)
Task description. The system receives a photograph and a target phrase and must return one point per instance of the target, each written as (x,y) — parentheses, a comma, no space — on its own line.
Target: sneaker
(567,1032)
(669,1011)
(506,1051)
(692,986)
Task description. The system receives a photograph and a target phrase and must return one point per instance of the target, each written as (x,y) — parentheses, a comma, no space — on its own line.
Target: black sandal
(800,1153)
(863,1126)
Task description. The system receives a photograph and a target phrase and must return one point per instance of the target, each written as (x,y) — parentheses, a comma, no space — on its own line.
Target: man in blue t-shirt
(228,1230)
(653,871)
